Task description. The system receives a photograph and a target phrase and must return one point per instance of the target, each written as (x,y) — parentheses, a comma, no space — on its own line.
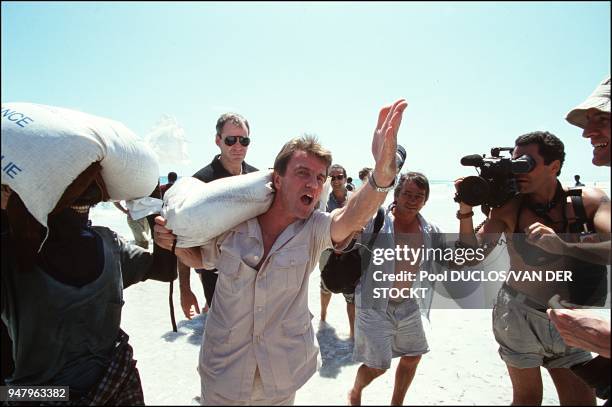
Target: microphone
(472,160)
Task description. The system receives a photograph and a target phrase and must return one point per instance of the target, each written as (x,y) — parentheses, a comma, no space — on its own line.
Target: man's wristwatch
(378,188)
(464,215)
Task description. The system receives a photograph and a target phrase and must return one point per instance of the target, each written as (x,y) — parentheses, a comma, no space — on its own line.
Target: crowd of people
(258,346)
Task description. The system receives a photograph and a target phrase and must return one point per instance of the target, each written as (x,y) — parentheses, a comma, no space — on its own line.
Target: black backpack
(342,271)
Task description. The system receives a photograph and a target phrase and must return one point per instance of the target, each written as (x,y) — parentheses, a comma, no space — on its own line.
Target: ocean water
(439,209)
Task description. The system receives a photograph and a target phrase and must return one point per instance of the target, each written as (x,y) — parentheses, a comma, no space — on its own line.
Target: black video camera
(496,183)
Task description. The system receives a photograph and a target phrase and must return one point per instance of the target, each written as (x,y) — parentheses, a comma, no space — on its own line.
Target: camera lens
(473,191)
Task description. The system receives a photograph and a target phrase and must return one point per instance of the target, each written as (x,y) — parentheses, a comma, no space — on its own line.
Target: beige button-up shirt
(260,319)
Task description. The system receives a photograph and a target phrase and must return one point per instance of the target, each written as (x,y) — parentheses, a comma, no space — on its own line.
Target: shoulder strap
(380,219)
(582,221)
(378,223)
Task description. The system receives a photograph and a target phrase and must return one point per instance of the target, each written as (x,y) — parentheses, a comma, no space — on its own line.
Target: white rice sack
(45,148)
(197,212)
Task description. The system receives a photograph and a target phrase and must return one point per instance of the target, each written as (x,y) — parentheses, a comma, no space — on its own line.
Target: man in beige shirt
(258,347)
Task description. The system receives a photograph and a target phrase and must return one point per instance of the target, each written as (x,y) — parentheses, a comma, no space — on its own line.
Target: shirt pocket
(215,349)
(299,341)
(289,267)
(234,275)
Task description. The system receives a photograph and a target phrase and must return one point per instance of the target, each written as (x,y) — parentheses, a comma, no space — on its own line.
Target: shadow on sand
(335,352)
(192,327)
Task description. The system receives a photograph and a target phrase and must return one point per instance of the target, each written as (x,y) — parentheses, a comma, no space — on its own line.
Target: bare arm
(184,276)
(189,302)
(163,237)
(602,215)
(580,329)
(366,201)
(596,249)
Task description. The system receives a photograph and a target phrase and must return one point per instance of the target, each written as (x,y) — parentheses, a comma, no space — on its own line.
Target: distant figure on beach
(338,197)
(172,177)
(389,327)
(140,228)
(527,339)
(232,136)
(578,183)
(259,344)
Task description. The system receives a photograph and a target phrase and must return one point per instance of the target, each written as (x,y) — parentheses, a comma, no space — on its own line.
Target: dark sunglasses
(231,140)
(336,177)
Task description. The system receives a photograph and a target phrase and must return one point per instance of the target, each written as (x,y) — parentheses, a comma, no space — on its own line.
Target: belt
(524,299)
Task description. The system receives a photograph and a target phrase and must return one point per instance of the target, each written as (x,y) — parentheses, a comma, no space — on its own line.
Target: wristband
(378,188)
(464,215)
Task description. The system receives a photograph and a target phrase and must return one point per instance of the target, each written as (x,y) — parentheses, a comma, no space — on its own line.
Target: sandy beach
(462,367)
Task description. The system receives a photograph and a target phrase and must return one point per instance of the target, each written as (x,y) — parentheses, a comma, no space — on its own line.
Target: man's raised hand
(384,142)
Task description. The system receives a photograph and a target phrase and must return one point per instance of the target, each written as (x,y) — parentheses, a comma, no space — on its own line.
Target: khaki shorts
(383,335)
(527,338)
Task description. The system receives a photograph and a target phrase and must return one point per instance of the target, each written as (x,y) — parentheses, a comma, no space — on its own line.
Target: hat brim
(577,116)
(599,99)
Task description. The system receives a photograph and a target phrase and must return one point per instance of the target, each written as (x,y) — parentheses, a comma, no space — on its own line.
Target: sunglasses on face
(336,177)
(231,140)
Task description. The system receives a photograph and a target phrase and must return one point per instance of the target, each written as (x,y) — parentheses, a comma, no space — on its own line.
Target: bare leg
(350,310)
(571,389)
(365,375)
(325,298)
(403,377)
(527,386)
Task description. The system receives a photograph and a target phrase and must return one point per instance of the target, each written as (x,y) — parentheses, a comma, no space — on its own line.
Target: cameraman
(526,337)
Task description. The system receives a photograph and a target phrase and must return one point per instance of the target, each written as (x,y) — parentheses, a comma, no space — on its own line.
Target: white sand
(462,367)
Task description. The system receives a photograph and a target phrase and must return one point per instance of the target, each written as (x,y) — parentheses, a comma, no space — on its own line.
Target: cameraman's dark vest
(589,280)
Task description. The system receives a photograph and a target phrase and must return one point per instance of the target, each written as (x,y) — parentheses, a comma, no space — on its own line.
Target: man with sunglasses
(259,344)
(232,137)
(527,339)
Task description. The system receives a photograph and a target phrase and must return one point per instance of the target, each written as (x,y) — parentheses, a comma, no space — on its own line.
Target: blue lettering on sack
(20,119)
(10,169)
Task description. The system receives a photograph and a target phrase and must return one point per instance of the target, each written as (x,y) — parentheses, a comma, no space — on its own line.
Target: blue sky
(476,75)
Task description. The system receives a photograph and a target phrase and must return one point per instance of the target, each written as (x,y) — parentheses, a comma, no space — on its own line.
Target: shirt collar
(218,168)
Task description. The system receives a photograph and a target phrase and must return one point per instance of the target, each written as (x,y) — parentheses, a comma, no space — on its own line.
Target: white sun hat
(599,99)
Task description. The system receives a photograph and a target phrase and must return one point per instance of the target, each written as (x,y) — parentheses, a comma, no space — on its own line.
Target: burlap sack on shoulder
(45,148)
(197,212)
